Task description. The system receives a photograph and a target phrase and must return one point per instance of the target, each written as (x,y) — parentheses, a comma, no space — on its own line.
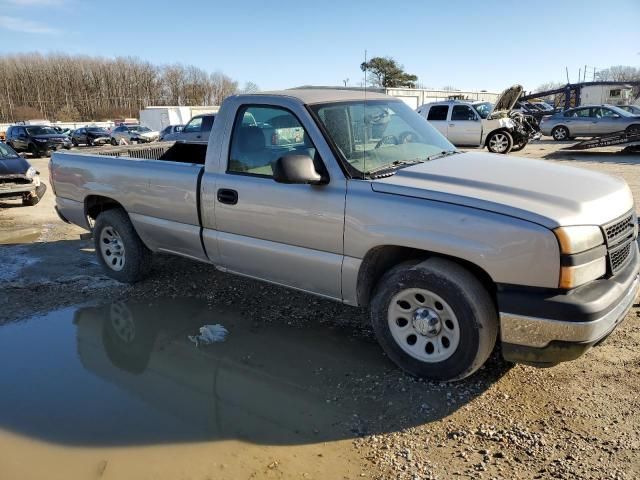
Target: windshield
(619,111)
(7,152)
(40,130)
(139,128)
(483,109)
(377,133)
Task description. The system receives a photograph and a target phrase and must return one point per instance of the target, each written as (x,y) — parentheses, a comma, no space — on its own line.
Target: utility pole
(567,71)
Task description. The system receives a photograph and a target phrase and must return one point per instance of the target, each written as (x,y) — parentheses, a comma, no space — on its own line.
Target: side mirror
(294,168)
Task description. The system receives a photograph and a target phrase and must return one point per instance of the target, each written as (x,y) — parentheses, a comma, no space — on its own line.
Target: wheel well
(94,205)
(379,260)
(486,140)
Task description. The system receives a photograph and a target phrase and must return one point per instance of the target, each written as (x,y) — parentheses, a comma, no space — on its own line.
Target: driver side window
(263,134)
(194,125)
(463,112)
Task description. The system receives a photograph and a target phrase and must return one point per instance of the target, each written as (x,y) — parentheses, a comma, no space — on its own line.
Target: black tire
(74,142)
(136,257)
(114,142)
(471,303)
(33,150)
(500,142)
(560,133)
(519,146)
(633,129)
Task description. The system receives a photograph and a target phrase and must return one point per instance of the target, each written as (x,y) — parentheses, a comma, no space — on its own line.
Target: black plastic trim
(583,257)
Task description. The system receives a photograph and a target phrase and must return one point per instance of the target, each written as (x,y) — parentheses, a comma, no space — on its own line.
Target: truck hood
(506,101)
(13,166)
(534,190)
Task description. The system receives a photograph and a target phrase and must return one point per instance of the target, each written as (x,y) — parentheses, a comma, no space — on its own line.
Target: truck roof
(325,95)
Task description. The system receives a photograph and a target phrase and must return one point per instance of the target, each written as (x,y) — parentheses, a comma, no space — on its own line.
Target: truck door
(288,234)
(192,130)
(437,116)
(465,127)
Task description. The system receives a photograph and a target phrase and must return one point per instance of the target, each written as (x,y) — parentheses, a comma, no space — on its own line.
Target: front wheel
(114,142)
(119,249)
(434,319)
(500,142)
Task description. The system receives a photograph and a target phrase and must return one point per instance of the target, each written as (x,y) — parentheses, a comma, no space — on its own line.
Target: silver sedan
(589,121)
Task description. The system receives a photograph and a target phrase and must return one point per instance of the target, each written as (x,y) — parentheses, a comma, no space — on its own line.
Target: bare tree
(60,87)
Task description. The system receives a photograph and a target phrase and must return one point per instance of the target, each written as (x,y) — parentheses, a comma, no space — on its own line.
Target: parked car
(38,140)
(445,248)
(18,179)
(632,109)
(169,130)
(63,131)
(133,134)
(589,121)
(196,130)
(90,136)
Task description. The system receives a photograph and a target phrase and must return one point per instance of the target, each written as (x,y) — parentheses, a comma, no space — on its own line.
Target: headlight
(31,172)
(578,239)
(583,255)
(41,140)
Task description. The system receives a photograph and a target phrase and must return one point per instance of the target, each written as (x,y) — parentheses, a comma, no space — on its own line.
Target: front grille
(15,181)
(619,229)
(619,236)
(618,257)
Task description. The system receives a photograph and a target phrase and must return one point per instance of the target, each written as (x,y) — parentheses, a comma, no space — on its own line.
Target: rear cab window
(438,113)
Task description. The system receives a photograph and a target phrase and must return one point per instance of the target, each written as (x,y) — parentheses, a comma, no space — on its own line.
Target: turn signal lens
(572,277)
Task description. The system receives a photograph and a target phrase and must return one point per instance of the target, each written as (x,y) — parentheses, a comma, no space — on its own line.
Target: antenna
(567,70)
(364,125)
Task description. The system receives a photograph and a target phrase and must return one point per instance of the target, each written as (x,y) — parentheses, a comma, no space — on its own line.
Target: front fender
(510,250)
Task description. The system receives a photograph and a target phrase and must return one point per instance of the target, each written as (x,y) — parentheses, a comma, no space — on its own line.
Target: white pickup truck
(355,197)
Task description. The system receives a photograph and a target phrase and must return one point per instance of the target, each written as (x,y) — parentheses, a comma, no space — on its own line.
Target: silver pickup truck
(354,197)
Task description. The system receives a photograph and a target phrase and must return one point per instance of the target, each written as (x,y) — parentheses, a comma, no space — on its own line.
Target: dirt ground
(304,392)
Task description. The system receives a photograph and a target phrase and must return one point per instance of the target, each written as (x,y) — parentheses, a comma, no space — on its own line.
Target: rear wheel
(114,142)
(434,319)
(119,248)
(633,129)
(560,133)
(33,150)
(500,142)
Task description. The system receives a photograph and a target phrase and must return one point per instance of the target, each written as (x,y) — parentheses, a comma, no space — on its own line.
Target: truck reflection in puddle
(126,373)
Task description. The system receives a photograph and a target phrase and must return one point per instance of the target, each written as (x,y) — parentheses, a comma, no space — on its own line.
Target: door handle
(452,124)
(228,196)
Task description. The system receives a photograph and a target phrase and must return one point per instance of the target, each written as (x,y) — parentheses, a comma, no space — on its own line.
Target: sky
(469,45)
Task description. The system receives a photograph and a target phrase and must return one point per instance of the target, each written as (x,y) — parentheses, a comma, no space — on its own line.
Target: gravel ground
(576,420)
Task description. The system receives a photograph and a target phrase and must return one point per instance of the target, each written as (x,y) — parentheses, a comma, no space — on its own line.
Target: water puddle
(9,236)
(125,376)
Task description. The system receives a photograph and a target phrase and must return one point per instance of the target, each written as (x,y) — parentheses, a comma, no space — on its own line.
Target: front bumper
(571,323)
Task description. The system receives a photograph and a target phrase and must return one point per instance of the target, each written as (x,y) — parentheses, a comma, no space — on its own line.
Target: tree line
(71,88)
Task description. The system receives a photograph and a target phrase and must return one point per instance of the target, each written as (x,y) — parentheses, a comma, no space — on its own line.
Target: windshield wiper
(392,166)
(445,153)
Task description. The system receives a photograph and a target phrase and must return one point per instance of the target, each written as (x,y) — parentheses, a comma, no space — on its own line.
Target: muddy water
(118,391)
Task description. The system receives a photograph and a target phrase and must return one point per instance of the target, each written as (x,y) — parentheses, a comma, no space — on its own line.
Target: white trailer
(157,118)
(606,94)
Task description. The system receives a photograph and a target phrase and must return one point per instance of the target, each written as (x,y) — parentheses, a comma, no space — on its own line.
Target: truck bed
(156,184)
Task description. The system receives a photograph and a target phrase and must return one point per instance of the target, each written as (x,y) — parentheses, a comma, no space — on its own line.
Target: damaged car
(482,124)
(18,179)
